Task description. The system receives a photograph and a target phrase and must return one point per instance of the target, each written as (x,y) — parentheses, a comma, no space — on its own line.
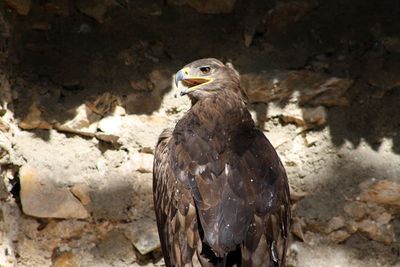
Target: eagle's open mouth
(192,82)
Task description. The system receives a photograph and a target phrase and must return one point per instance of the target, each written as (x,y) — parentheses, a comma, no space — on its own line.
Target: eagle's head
(205,77)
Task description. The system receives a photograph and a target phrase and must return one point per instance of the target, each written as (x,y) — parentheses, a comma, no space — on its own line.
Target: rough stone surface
(356,209)
(9,214)
(143,235)
(95,9)
(339,236)
(112,84)
(142,162)
(334,224)
(58,7)
(22,7)
(383,192)
(392,44)
(207,6)
(66,259)
(81,191)
(297,228)
(312,89)
(386,79)
(84,120)
(294,116)
(376,231)
(34,120)
(116,249)
(40,197)
(5,148)
(285,13)
(315,116)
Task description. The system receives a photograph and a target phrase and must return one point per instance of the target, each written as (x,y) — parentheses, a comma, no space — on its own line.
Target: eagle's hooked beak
(179,76)
(188,83)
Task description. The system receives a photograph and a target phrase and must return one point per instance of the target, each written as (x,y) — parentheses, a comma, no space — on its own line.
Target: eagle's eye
(205,69)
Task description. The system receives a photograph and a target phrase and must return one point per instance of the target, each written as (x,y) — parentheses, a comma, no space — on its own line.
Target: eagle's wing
(174,207)
(240,191)
(266,240)
(235,185)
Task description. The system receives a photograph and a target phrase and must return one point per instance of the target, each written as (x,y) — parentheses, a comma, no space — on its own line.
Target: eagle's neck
(221,114)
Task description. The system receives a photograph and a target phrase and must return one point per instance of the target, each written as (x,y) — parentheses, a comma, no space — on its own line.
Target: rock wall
(86,88)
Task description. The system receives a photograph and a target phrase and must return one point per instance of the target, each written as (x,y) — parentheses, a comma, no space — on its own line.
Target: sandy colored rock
(111,125)
(314,89)
(304,117)
(95,9)
(40,197)
(67,259)
(76,61)
(116,249)
(22,7)
(382,218)
(104,104)
(375,223)
(297,228)
(315,116)
(109,138)
(328,93)
(383,192)
(3,194)
(160,79)
(5,148)
(56,230)
(34,119)
(81,191)
(334,224)
(28,249)
(339,236)
(293,116)
(351,227)
(4,126)
(381,233)
(140,131)
(142,162)
(119,111)
(124,195)
(297,195)
(311,139)
(355,209)
(143,235)
(84,120)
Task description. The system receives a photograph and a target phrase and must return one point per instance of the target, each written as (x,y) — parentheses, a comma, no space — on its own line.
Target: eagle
(221,194)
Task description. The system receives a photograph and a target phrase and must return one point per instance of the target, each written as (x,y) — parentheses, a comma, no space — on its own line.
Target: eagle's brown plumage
(220,191)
